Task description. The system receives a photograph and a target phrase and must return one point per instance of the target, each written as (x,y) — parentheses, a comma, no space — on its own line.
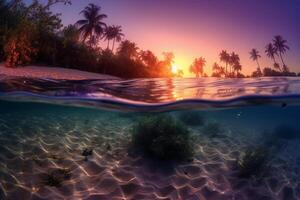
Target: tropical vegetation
(33,34)
(198,66)
(274,50)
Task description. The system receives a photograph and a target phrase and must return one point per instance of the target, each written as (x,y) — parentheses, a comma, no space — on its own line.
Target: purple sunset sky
(193,28)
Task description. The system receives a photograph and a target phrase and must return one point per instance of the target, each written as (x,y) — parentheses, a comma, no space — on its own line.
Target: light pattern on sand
(34,145)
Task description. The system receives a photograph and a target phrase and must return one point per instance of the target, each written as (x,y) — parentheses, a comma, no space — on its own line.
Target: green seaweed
(162,138)
(253,162)
(57,177)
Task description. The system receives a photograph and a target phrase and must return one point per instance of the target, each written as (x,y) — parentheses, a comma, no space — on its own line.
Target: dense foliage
(33,34)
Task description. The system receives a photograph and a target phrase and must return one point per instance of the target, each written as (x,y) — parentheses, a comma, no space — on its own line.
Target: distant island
(34,35)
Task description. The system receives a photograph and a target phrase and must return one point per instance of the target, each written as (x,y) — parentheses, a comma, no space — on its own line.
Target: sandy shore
(51,73)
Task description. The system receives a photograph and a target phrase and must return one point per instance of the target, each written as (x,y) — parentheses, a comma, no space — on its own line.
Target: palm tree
(108,35)
(168,60)
(234,61)
(225,57)
(117,35)
(281,47)
(271,52)
(113,33)
(148,58)
(128,49)
(218,70)
(92,26)
(254,55)
(237,67)
(70,34)
(198,66)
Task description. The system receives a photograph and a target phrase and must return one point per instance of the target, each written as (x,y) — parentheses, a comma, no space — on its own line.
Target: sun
(174,69)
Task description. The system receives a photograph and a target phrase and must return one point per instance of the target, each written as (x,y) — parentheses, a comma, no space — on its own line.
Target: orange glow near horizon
(174,68)
(182,64)
(193,29)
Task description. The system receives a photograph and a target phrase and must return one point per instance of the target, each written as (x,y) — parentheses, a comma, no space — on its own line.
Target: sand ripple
(41,143)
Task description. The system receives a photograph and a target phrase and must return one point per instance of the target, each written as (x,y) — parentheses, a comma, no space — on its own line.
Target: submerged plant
(57,176)
(212,129)
(193,118)
(163,138)
(253,162)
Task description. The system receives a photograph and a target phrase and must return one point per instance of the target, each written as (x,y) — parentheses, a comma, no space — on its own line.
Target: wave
(155,94)
(127,105)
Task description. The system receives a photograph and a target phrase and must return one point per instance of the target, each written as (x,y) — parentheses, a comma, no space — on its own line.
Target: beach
(43,72)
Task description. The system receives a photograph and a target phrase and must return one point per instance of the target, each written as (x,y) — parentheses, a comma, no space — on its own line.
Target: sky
(194,28)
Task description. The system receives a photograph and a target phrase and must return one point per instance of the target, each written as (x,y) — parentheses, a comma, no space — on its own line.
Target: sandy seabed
(32,146)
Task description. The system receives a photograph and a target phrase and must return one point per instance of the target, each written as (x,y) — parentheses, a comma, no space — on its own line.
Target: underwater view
(99,141)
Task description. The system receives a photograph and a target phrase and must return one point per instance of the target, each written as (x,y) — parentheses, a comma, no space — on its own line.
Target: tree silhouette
(198,66)
(148,58)
(70,34)
(234,61)
(237,67)
(108,35)
(117,35)
(128,49)
(165,66)
(113,33)
(271,52)
(281,47)
(218,70)
(225,57)
(254,55)
(92,26)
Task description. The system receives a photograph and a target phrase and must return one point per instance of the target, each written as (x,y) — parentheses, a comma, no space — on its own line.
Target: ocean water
(48,127)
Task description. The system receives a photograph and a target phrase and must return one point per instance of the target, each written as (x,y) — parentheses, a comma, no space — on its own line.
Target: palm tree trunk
(113,46)
(226,70)
(276,63)
(54,54)
(107,44)
(281,58)
(258,63)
